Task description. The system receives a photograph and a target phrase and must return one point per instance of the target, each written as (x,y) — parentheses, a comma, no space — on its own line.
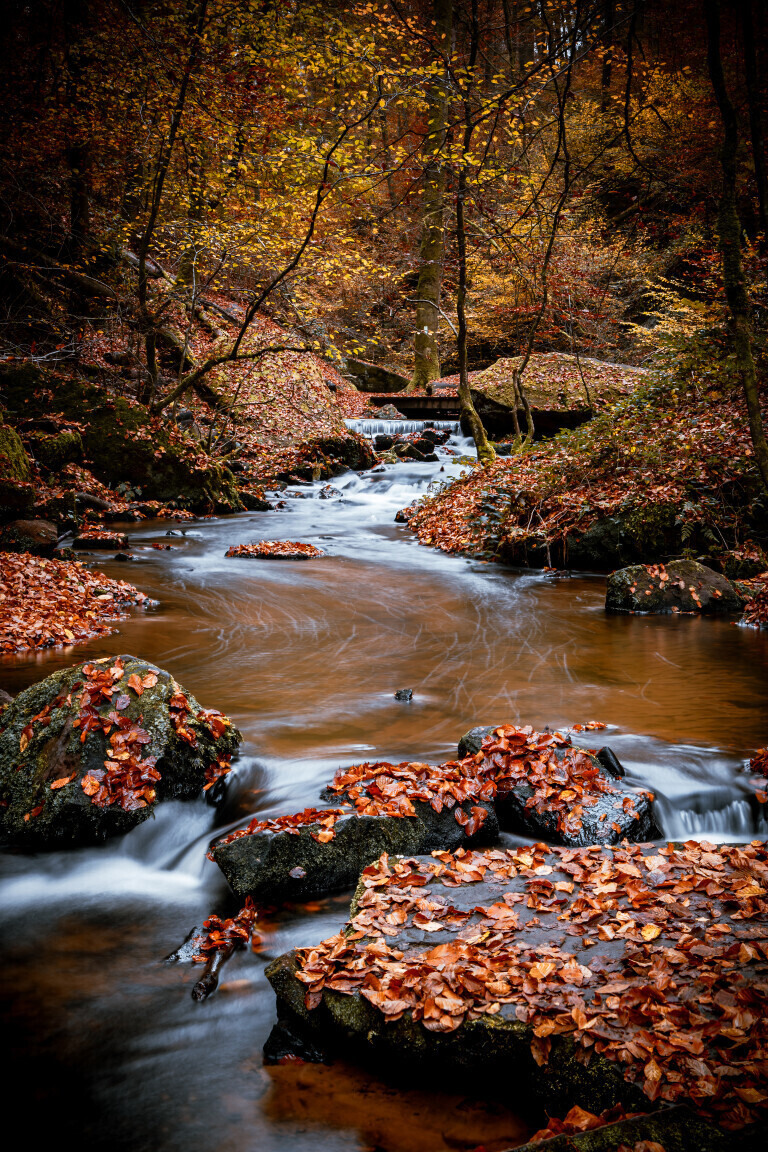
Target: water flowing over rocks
(90,751)
(680,586)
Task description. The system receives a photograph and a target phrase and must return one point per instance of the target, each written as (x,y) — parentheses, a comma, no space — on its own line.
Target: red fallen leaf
(90,785)
(135,682)
(149,680)
(298,873)
(62,780)
(216,771)
(35,812)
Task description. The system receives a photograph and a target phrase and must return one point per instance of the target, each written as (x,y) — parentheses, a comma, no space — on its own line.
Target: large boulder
(90,751)
(562,390)
(36,536)
(596,977)
(680,586)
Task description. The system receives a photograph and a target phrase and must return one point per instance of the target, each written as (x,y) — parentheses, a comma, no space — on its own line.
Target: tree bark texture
(426,360)
(729,231)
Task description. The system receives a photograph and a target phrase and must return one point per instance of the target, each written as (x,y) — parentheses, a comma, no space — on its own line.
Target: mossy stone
(14,462)
(687,586)
(53,452)
(122,441)
(29,763)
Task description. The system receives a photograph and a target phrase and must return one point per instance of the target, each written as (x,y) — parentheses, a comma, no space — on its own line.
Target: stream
(107,1046)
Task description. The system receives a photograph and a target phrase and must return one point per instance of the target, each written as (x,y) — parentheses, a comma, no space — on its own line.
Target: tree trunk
(469,416)
(78,149)
(485,452)
(426,361)
(607,38)
(729,231)
(755,126)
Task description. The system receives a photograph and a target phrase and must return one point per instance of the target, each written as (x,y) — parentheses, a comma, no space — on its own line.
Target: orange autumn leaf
(62,780)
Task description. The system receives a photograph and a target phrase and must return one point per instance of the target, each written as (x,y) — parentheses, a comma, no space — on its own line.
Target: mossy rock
(673,1129)
(36,753)
(53,452)
(283,866)
(122,441)
(680,586)
(36,536)
(14,462)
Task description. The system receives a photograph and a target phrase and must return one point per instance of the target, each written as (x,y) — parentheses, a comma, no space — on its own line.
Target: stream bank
(306,660)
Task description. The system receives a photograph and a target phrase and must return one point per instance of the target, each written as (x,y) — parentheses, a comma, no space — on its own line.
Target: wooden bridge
(437,407)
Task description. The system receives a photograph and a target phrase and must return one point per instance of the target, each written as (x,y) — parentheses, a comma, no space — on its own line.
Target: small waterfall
(398,427)
(736,820)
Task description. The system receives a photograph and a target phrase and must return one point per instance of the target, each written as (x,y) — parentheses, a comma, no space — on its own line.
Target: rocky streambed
(306,659)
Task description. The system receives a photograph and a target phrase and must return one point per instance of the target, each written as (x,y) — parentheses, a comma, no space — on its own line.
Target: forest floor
(660,473)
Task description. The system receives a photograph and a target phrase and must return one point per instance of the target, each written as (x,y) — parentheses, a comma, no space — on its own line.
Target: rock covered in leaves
(99,538)
(47,603)
(756,611)
(323,850)
(597,976)
(671,1128)
(565,795)
(680,586)
(275,550)
(88,752)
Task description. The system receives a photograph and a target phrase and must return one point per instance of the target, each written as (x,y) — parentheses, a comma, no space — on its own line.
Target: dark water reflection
(306,657)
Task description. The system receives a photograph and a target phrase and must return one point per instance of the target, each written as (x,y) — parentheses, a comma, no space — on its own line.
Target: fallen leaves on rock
(279,549)
(580,1120)
(685,1012)
(511,756)
(756,610)
(47,603)
(225,935)
(99,538)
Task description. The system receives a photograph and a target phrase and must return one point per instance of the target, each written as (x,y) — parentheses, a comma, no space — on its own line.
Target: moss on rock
(37,750)
(123,442)
(53,452)
(14,462)
(680,586)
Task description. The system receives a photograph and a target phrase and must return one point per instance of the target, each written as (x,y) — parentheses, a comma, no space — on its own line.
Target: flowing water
(108,1046)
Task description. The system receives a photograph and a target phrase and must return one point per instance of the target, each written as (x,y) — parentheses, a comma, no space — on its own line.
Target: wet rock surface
(671,1129)
(680,586)
(608,817)
(538,969)
(90,751)
(294,864)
